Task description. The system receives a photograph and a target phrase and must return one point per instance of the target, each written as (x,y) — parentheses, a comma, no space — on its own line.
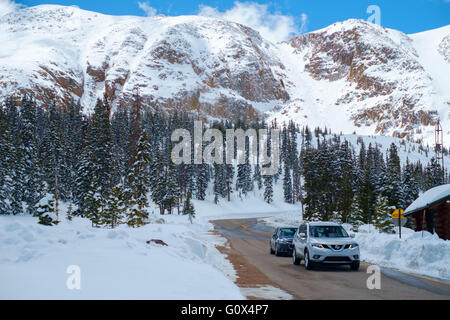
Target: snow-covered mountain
(351,76)
(196,63)
(359,74)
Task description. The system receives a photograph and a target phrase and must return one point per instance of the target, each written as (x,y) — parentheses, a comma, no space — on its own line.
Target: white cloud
(7,6)
(273,26)
(304,25)
(149,11)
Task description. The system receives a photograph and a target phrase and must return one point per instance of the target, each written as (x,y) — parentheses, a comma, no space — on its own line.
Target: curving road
(249,253)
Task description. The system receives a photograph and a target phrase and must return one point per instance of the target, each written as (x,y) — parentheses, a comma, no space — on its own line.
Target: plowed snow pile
(424,254)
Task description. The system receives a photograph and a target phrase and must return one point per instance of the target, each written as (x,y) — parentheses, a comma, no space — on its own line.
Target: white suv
(324,243)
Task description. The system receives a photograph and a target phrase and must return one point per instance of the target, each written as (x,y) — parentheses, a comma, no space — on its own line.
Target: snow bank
(429,197)
(428,256)
(285,219)
(250,207)
(114,264)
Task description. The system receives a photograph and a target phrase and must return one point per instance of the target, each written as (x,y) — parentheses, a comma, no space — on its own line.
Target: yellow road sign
(398,212)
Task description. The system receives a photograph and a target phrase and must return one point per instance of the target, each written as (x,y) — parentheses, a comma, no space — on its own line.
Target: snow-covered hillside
(350,76)
(411,151)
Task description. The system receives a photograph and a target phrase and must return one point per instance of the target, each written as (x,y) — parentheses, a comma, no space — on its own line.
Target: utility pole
(439,145)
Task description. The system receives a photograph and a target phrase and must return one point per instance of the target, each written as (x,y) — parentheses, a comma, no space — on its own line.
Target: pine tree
(85,171)
(382,219)
(94,204)
(172,193)
(138,182)
(345,185)
(45,211)
(268,188)
(28,162)
(102,146)
(248,181)
(410,186)
(229,180)
(188,208)
(120,128)
(287,185)
(357,215)
(202,181)
(219,187)
(393,188)
(257,177)
(158,186)
(6,165)
(244,181)
(115,208)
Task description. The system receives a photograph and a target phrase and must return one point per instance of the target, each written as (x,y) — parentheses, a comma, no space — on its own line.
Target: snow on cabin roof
(428,198)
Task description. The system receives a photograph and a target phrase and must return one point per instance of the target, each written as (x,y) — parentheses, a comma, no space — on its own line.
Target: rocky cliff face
(351,76)
(385,87)
(213,67)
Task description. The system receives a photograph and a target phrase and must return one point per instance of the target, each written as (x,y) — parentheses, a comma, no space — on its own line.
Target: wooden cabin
(431,211)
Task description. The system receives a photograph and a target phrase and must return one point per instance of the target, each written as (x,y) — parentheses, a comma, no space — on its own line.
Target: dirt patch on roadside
(248,275)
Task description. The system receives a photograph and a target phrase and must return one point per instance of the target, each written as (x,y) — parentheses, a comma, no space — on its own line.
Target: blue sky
(409,16)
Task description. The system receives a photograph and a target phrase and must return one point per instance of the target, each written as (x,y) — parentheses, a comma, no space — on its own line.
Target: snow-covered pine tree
(188,207)
(138,181)
(219,187)
(52,152)
(115,208)
(296,180)
(229,180)
(85,171)
(102,146)
(202,181)
(268,188)
(382,219)
(240,177)
(393,188)
(94,204)
(248,181)
(6,172)
(433,175)
(410,186)
(345,185)
(45,211)
(120,133)
(28,165)
(357,215)
(135,126)
(244,181)
(287,184)
(158,188)
(172,193)
(257,176)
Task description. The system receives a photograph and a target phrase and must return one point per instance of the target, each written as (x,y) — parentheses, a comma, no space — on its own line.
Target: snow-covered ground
(114,264)
(119,264)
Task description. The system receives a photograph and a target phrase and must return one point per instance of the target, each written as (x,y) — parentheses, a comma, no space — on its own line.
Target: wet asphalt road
(250,239)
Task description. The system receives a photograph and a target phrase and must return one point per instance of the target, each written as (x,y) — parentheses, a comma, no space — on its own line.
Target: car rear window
(288,232)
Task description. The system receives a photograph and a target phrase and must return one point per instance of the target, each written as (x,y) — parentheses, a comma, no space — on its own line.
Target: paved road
(249,250)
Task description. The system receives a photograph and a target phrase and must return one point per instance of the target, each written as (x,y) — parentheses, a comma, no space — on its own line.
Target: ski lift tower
(439,145)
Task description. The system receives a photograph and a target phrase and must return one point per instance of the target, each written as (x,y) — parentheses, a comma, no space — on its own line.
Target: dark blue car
(281,241)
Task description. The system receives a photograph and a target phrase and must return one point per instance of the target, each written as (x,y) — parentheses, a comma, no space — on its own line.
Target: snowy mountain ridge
(350,76)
